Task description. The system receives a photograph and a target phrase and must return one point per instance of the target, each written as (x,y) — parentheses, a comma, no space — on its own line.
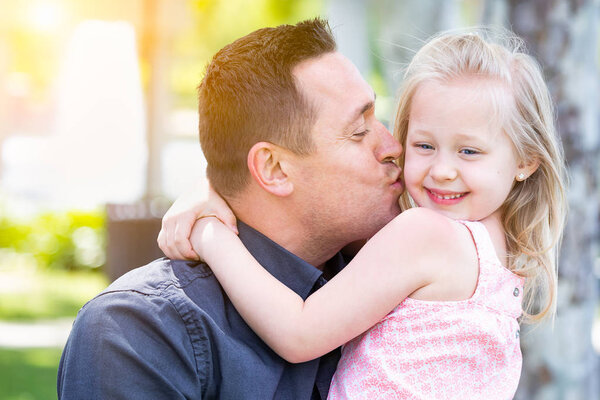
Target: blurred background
(98,137)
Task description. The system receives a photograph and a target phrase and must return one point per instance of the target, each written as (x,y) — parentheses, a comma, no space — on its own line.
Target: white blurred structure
(97,152)
(182,163)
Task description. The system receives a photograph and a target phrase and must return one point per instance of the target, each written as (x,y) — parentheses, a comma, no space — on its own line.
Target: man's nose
(389,148)
(442,168)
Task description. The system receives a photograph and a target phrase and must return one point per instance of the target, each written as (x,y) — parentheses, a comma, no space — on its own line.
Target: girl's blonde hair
(534,213)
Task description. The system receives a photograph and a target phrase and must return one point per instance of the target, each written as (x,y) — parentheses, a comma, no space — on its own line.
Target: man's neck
(291,234)
(296,241)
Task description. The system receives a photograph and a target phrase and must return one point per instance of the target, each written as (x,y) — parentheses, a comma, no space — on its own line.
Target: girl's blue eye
(424,146)
(469,151)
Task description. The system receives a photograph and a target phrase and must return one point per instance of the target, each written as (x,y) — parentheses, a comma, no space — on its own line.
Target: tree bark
(560,362)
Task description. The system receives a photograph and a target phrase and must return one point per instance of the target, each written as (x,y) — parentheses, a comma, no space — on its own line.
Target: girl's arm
(398,260)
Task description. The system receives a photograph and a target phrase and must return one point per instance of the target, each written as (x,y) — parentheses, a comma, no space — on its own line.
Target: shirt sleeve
(129,345)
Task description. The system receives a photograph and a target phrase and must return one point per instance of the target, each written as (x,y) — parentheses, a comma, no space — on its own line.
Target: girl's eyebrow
(422,132)
(466,136)
(461,136)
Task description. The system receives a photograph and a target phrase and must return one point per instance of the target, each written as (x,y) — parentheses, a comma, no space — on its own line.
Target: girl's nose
(443,169)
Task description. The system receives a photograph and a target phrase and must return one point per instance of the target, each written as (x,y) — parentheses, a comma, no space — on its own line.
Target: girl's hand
(177,223)
(209,235)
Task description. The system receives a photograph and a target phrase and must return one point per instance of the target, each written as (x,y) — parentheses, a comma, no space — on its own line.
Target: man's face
(348,188)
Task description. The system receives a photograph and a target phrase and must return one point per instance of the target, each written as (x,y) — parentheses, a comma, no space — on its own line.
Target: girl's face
(458,161)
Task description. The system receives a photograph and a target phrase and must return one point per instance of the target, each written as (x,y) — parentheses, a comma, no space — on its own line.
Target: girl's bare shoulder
(442,249)
(427,224)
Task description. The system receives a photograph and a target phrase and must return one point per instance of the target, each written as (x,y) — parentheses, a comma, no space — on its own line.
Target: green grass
(29,295)
(28,374)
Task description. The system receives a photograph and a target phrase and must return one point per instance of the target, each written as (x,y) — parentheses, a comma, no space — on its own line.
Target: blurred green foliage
(62,240)
(215,23)
(27,295)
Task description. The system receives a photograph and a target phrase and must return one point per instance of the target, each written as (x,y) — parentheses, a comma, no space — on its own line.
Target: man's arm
(129,345)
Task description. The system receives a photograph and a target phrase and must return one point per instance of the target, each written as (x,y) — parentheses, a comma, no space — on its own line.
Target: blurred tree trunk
(560,363)
(402,27)
(350,25)
(161,19)
(153,55)
(4,131)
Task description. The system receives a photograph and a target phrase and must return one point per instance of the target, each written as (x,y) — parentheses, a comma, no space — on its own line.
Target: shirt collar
(288,268)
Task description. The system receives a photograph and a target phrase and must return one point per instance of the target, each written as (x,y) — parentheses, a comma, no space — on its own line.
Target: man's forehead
(329,69)
(332,76)
(316,63)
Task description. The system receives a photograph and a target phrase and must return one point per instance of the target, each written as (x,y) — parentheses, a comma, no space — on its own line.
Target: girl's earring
(521,177)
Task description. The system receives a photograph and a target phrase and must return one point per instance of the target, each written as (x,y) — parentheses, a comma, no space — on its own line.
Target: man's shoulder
(143,327)
(160,285)
(165,297)
(159,274)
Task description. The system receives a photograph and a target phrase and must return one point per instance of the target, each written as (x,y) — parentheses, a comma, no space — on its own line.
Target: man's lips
(397,183)
(445,197)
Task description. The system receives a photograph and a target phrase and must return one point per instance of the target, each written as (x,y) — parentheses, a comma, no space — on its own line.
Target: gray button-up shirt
(168,331)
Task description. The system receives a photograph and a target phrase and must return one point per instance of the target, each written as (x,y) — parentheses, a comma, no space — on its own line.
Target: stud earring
(521,177)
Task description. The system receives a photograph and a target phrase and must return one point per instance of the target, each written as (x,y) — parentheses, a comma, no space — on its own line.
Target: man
(288,129)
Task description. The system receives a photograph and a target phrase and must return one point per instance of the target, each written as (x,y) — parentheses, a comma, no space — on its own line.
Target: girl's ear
(526,169)
(267,165)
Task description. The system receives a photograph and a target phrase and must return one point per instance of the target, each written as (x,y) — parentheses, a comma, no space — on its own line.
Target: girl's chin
(449,213)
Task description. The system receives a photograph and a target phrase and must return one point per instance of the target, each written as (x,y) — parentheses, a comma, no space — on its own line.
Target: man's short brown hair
(249,95)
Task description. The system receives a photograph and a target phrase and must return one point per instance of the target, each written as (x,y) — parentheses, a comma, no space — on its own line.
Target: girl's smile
(444,197)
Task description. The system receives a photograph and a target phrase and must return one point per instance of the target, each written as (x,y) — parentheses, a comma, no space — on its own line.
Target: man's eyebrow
(366,108)
(363,109)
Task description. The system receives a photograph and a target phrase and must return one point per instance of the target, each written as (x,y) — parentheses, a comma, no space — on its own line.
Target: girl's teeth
(449,197)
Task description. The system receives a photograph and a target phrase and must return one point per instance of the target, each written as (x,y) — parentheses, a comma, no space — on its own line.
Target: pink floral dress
(466,349)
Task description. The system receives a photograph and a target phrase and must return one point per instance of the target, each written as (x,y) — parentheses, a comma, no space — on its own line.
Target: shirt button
(516,292)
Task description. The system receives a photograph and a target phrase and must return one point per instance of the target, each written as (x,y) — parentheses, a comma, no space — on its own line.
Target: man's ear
(267,165)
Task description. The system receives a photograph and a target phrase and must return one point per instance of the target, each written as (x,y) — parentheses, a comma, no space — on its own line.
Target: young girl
(430,306)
